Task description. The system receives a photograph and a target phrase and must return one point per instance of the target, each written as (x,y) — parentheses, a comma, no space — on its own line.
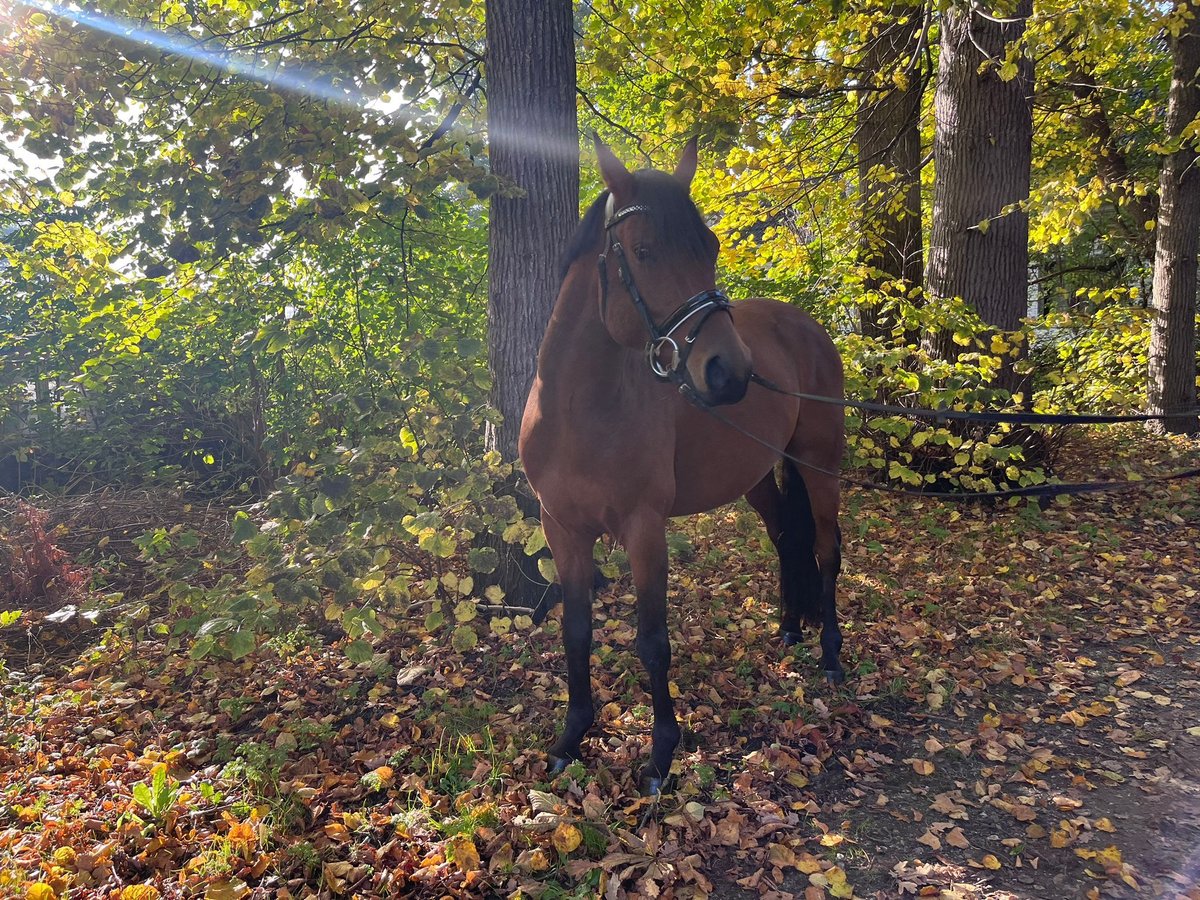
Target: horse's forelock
(672,213)
(676,221)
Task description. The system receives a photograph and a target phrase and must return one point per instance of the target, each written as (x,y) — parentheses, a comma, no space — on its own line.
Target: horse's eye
(642,252)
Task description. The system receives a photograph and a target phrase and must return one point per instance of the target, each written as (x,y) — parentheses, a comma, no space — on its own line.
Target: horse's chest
(572,452)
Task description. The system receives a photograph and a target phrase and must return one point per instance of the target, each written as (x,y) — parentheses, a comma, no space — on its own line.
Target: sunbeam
(273,72)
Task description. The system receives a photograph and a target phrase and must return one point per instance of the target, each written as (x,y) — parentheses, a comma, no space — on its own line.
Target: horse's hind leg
(789,523)
(822,496)
(573,559)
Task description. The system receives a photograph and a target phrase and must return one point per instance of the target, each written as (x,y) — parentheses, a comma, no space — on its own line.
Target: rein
(1037,490)
(661,341)
(1011,418)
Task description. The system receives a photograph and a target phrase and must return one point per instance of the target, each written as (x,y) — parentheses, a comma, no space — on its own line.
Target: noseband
(661,342)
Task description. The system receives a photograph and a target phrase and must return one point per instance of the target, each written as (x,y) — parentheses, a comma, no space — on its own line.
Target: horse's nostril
(716,375)
(724,385)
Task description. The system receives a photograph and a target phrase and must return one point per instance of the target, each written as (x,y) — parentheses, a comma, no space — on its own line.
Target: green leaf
(438,544)
(548,569)
(359,652)
(243,528)
(535,541)
(484,559)
(240,643)
(464,638)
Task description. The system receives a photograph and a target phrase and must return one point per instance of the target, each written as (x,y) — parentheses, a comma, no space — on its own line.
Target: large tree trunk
(889,164)
(979,241)
(1172,383)
(533,143)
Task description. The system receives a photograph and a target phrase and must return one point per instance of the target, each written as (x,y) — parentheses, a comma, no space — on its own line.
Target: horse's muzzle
(722,385)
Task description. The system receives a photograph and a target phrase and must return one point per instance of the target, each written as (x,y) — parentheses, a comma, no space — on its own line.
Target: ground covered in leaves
(1022,720)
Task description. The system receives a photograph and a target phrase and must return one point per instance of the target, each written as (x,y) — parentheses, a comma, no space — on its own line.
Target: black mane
(673,216)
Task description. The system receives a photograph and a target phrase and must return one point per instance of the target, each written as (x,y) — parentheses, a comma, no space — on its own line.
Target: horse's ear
(685,171)
(616,177)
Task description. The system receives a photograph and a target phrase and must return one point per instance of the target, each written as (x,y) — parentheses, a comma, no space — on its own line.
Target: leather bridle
(704,304)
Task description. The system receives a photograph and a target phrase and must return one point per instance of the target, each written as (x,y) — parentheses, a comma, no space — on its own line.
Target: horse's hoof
(791,638)
(558,765)
(835,676)
(652,786)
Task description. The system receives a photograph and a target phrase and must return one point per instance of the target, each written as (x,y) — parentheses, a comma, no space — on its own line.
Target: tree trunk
(889,165)
(534,144)
(979,241)
(1172,382)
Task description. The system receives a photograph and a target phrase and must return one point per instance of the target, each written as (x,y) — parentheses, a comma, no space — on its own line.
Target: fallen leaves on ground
(1022,719)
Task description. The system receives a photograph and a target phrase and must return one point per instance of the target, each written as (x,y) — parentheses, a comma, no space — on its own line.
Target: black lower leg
(577,641)
(831,632)
(654,650)
(800,579)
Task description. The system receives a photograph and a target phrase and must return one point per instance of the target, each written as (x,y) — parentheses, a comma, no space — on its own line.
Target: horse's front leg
(646,544)
(573,559)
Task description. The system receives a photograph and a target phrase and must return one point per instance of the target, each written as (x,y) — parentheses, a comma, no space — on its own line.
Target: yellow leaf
(462,851)
(140,892)
(990,862)
(226,889)
(40,891)
(838,885)
(807,863)
(831,840)
(922,766)
(566,838)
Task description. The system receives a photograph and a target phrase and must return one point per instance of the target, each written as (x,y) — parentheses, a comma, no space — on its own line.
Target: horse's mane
(673,215)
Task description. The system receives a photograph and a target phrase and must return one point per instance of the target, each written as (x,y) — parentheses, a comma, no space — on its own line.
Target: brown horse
(616,440)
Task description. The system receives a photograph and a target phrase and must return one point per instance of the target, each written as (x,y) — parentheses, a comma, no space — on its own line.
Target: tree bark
(979,240)
(533,144)
(1172,381)
(889,164)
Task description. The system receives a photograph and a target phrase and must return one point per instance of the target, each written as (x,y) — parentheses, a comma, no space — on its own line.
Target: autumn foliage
(34,570)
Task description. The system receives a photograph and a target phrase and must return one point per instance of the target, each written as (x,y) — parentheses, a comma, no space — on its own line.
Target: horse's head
(658,280)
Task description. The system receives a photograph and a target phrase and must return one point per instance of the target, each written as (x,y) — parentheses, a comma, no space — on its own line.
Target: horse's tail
(800,577)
